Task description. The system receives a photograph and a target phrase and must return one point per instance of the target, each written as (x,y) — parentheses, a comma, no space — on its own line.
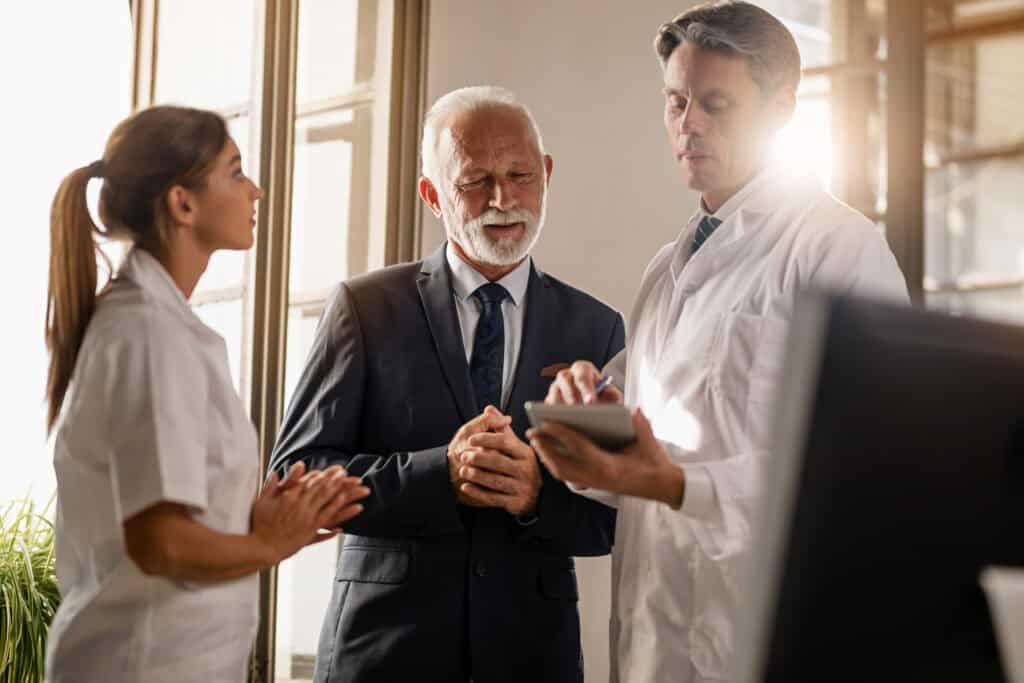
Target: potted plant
(28,591)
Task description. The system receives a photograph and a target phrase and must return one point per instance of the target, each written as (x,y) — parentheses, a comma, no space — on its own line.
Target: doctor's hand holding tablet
(587,437)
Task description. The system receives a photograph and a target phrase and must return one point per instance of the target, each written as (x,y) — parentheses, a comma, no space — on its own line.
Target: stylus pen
(602,385)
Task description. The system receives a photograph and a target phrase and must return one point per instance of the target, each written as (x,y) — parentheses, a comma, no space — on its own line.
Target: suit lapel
(434,283)
(538,325)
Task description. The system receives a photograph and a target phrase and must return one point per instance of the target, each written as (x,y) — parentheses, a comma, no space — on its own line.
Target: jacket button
(479,569)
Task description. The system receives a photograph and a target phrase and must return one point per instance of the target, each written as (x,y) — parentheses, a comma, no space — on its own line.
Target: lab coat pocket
(715,590)
(748,354)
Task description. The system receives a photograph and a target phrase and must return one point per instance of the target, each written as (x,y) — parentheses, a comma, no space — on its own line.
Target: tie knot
(709,223)
(706,226)
(491,293)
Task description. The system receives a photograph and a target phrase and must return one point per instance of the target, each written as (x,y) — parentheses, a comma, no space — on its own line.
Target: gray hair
(741,29)
(461,101)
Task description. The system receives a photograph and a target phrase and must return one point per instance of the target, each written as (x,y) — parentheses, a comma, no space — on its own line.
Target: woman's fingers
(331,514)
(270,485)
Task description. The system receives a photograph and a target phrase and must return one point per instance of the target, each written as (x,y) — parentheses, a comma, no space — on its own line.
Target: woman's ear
(181,206)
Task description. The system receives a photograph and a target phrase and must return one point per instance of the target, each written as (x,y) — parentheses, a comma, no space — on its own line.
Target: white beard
(501,251)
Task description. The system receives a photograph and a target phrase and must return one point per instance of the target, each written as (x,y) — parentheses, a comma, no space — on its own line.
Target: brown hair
(740,29)
(147,154)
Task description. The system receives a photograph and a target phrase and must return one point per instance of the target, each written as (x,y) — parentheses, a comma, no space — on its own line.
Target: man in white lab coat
(702,362)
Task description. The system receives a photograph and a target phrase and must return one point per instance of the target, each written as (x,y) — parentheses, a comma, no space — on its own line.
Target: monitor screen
(898,475)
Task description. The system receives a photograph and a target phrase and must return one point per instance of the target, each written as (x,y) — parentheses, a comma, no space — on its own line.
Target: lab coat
(151,415)
(703,362)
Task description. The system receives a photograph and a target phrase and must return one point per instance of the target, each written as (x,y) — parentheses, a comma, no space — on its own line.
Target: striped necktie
(706,226)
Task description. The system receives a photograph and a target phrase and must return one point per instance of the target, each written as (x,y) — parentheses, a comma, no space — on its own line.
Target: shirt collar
(466,280)
(143,269)
(755,196)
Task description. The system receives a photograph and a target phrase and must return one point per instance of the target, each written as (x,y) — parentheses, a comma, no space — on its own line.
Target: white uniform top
(151,415)
(703,362)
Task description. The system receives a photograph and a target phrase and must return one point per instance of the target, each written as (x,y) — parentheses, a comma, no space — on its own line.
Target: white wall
(588,72)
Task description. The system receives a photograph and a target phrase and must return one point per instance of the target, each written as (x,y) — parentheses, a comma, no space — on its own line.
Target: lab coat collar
(149,274)
(758,198)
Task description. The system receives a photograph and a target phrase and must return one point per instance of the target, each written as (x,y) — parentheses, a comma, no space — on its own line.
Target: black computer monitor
(898,475)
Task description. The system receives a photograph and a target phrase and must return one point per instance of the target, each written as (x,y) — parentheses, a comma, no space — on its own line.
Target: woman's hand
(291,513)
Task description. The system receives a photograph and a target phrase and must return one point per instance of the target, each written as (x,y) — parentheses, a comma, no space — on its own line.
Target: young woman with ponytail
(160,528)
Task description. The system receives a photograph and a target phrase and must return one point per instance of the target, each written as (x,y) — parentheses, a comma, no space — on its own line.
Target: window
(974,154)
(323,98)
(927,138)
(75,102)
(331,188)
(218,77)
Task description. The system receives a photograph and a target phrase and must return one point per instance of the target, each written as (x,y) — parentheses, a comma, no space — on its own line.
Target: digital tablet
(609,425)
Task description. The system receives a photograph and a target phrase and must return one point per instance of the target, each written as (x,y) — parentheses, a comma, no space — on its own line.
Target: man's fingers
(611,394)
(565,387)
(561,466)
(505,441)
(585,377)
(487,420)
(491,480)
(642,426)
(483,497)
(491,460)
(575,443)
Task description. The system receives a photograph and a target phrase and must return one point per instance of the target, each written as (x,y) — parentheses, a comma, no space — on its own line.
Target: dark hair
(741,29)
(146,155)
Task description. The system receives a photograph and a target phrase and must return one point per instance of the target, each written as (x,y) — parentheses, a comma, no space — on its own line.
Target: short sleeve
(155,386)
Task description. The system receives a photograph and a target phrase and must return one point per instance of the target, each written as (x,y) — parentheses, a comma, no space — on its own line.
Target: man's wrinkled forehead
(487,133)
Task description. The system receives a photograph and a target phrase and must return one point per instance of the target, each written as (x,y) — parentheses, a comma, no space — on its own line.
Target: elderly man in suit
(460,567)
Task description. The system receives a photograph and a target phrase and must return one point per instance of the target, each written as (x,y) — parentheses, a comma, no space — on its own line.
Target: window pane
(72,62)
(204,52)
(973,179)
(226,318)
(330,204)
(306,580)
(337,46)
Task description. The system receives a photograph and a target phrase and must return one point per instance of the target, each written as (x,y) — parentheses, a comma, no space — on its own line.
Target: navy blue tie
(706,226)
(488,358)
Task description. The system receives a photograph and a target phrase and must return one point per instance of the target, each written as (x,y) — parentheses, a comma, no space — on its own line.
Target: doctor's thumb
(642,425)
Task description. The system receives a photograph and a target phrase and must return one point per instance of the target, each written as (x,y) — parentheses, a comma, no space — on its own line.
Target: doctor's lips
(693,155)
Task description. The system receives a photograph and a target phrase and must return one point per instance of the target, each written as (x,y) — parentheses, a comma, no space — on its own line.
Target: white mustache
(496,217)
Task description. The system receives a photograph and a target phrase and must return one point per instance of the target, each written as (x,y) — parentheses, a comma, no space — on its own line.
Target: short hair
(473,98)
(740,29)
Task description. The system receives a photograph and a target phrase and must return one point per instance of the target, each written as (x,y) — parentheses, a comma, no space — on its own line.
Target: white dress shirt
(465,281)
(151,415)
(703,362)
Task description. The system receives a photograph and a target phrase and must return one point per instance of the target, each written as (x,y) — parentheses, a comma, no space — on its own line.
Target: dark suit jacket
(425,591)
